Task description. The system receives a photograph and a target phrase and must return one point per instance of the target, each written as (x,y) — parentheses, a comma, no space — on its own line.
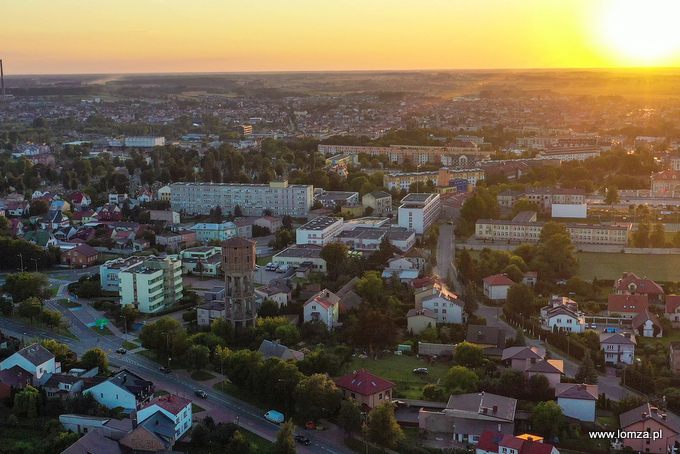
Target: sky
(141,36)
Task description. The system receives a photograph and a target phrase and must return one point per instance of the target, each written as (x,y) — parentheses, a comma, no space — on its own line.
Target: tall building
(419,212)
(238,263)
(151,285)
(278,197)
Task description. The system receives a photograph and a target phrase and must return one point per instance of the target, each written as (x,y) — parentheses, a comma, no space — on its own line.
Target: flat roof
(310,251)
(320,223)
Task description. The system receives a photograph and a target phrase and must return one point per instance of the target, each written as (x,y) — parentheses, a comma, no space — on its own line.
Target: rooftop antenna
(2,80)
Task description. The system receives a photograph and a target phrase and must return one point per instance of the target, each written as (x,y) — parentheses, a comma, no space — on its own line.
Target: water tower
(238,263)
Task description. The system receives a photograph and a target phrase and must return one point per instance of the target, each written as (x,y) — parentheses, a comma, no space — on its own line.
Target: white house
(577,400)
(319,231)
(399,263)
(496,287)
(125,389)
(647,324)
(276,292)
(618,348)
(176,408)
(34,359)
(563,314)
(324,307)
(447,310)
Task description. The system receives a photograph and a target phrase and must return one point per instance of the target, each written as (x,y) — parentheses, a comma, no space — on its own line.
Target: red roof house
(630,284)
(366,389)
(497,443)
(627,305)
(80,256)
(496,286)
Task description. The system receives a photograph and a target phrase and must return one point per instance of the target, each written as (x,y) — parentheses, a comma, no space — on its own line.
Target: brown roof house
(627,305)
(522,357)
(80,256)
(577,400)
(672,310)
(647,418)
(630,284)
(647,324)
(496,286)
(490,338)
(366,389)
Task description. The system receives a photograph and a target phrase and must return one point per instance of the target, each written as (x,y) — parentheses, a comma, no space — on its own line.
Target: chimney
(655,409)
(133,418)
(645,415)
(664,416)
(485,410)
(495,408)
(124,378)
(625,274)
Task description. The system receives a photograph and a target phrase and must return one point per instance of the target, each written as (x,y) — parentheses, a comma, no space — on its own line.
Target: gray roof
(576,391)
(473,405)
(273,289)
(93,443)
(483,334)
(320,223)
(273,349)
(523,353)
(311,251)
(379,194)
(616,338)
(638,414)
(547,366)
(36,354)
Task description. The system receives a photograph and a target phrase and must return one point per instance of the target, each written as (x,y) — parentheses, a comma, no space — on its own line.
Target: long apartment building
(571,153)
(278,196)
(545,197)
(524,228)
(418,212)
(441,178)
(541,143)
(459,157)
(152,285)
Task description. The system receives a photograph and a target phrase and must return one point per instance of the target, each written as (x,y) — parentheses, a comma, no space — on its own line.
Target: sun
(642,32)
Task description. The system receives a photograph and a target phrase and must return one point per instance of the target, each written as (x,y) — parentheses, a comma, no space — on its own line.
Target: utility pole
(21,256)
(36,264)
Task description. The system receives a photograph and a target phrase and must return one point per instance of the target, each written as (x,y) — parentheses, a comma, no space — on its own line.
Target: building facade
(319,231)
(419,212)
(152,285)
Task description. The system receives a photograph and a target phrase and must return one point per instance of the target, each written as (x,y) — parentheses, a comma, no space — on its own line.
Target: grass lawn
(130,345)
(152,356)
(161,392)
(233,391)
(53,291)
(399,369)
(262,261)
(196,408)
(263,445)
(202,375)
(669,336)
(69,304)
(611,265)
(105,332)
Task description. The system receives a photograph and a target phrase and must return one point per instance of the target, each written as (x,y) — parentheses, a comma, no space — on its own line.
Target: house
(54,219)
(63,386)
(41,238)
(672,309)
(530,278)
(125,389)
(522,357)
(348,298)
(145,197)
(404,276)
(398,263)
(562,314)
(466,416)
(647,418)
(418,257)
(496,287)
(618,348)
(577,400)
(164,193)
(295,255)
(630,284)
(17,208)
(60,205)
(447,309)
(279,293)
(109,212)
(79,199)
(178,409)
(323,306)
(82,217)
(155,434)
(14,377)
(94,442)
(210,312)
(366,389)
(269,222)
(420,319)
(273,349)
(552,369)
(497,443)
(674,357)
(647,324)
(201,260)
(80,256)
(244,228)
(380,202)
(34,359)
(627,305)
(168,217)
(490,338)
(109,427)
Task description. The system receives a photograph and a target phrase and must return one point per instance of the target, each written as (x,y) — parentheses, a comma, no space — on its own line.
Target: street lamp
(125,324)
(36,264)
(21,256)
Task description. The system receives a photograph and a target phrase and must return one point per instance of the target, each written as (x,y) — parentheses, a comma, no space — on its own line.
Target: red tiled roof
(86,250)
(666,175)
(672,303)
(169,402)
(364,383)
(490,441)
(643,285)
(498,279)
(627,303)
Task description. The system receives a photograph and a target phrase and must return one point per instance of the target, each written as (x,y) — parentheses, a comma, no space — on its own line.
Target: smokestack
(2,80)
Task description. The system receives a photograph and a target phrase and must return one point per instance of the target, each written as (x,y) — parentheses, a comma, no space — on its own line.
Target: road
(221,405)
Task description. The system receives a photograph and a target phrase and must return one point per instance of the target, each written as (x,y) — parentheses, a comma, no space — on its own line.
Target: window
(380,396)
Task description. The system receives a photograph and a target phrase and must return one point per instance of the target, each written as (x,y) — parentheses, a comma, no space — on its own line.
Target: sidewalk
(98,315)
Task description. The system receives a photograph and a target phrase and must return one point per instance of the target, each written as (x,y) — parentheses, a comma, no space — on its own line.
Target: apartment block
(418,212)
(109,272)
(152,285)
(254,199)
(459,156)
(320,231)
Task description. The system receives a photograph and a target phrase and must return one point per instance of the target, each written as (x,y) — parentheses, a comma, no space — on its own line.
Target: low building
(368,239)
(319,231)
(666,183)
(94,442)
(627,306)
(278,293)
(522,357)
(563,314)
(168,216)
(497,443)
(332,199)
(379,201)
(418,257)
(34,359)
(490,338)
(178,409)
(202,261)
(496,287)
(323,307)
(112,428)
(296,255)
(244,228)
(206,232)
(366,389)
(647,418)
(208,313)
(647,324)
(618,348)
(577,400)
(269,222)
(80,256)
(125,389)
(420,319)
(273,349)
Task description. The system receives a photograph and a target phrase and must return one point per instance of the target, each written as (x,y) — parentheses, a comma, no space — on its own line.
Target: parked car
(271,266)
(283,268)
(165,370)
(121,350)
(303,440)
(200,393)
(421,371)
(274,416)
(257,267)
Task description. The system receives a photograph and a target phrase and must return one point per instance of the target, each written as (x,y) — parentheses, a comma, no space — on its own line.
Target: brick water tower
(238,264)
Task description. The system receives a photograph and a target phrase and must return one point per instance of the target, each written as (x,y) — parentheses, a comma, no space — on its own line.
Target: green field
(202,375)
(611,265)
(399,369)
(195,408)
(104,332)
(130,345)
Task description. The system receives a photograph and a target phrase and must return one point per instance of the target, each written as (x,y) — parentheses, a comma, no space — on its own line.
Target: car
(303,440)
(257,267)
(200,393)
(143,322)
(449,222)
(421,371)
(165,370)
(593,326)
(121,350)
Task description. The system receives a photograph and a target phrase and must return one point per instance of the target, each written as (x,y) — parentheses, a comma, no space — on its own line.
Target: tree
(520,340)
(556,258)
(316,397)
(468,355)
(198,357)
(38,207)
(60,351)
(513,273)
(26,402)
(349,417)
(520,299)
(21,286)
(658,236)
(95,357)
(513,382)
(158,336)
(238,212)
(282,238)
(586,372)
(382,426)
(547,419)
(370,287)
(538,388)
(524,205)
(285,443)
(612,195)
(30,308)
(460,379)
(238,444)
(335,255)
(50,318)
(131,315)
(641,235)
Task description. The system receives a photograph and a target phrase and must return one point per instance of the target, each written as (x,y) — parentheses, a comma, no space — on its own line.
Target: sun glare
(642,32)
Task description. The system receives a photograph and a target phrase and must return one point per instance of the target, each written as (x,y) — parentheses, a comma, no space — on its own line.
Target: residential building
(79,199)
(497,443)
(269,222)
(112,428)
(144,142)
(570,153)
(41,238)
(631,284)
(152,285)
(496,287)
(322,307)
(117,199)
(545,197)
(647,324)
(273,349)
(178,409)
(490,338)
(171,240)
(332,199)
(34,359)
(418,320)
(466,416)
(109,272)
(244,228)
(674,357)
(125,389)
(209,312)
(206,232)
(278,293)
(202,260)
(627,306)
(278,197)
(418,257)
(379,201)
(462,180)
(297,254)
(155,434)
(520,358)
(647,418)
(368,239)
(367,390)
(168,216)
(404,276)
(453,156)
(552,369)
(530,278)
(419,212)
(319,231)
(447,309)
(562,313)
(508,198)
(666,183)
(618,348)
(577,400)
(94,442)
(672,309)
(80,256)
(164,193)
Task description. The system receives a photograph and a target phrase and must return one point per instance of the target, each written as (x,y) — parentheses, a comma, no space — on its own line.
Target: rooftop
(320,223)
(364,383)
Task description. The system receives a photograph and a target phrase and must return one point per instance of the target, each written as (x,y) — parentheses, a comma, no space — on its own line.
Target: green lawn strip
(202,375)
(360,446)
(104,332)
(195,408)
(130,345)
(262,261)
(263,445)
(152,356)
(160,392)
(232,390)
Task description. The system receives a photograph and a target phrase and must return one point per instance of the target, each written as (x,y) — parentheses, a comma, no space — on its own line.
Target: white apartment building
(571,153)
(278,196)
(206,232)
(321,231)
(109,272)
(418,212)
(144,142)
(152,285)
(618,348)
